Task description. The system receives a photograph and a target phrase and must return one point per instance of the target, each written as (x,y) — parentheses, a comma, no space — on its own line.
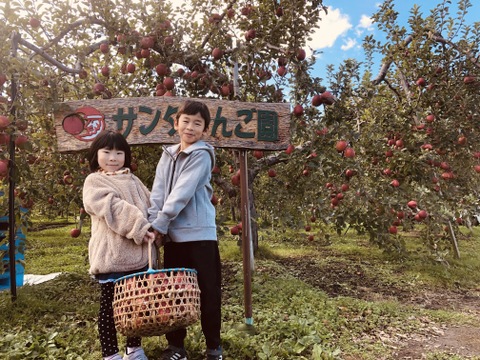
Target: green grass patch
(305,303)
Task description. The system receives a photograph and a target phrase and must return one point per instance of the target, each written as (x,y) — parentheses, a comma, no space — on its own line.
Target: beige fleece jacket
(118,207)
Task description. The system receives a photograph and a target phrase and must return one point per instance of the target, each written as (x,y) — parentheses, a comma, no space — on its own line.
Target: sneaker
(215,354)
(173,353)
(136,355)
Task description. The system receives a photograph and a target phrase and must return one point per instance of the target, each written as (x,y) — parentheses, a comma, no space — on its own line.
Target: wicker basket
(155,302)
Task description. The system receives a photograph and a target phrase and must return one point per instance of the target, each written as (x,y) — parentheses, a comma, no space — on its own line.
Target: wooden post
(11,184)
(246,238)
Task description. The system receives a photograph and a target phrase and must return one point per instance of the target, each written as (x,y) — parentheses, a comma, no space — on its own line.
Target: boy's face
(190,128)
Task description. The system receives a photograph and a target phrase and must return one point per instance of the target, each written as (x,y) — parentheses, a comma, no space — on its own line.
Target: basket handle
(150,255)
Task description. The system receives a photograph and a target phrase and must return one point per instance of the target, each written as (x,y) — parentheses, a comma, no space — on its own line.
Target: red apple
(98,88)
(421,82)
(272,172)
(301,54)
(327,98)
(412,204)
(282,70)
(349,153)
(145,53)
(214,200)
(3,79)
(235,180)
(258,154)
(291,148)
(341,145)
(169,83)
(469,79)
(104,48)
(395,183)
(4,122)
(477,168)
(250,34)
(75,233)
(234,230)
(298,110)
(131,68)
(225,90)
(422,214)
(217,53)
(317,100)
(21,140)
(246,10)
(34,22)
(168,40)
(430,118)
(349,173)
(147,42)
(3,167)
(392,229)
(105,71)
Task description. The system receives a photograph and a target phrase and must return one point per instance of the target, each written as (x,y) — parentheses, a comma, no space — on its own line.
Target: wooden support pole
(246,238)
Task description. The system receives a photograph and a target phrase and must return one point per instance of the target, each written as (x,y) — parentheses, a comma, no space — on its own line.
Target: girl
(117,202)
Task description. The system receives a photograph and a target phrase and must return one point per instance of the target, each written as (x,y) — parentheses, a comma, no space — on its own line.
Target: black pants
(204,257)
(106,323)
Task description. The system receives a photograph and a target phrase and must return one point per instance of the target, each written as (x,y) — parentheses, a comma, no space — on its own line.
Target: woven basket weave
(155,302)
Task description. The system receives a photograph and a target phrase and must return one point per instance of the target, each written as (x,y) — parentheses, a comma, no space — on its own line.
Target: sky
(348,22)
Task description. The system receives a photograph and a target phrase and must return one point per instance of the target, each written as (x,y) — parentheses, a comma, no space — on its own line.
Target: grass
(293,319)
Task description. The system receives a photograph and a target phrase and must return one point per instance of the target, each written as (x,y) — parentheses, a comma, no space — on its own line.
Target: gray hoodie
(181,193)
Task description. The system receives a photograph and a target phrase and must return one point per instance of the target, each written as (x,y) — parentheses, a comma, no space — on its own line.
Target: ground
(341,279)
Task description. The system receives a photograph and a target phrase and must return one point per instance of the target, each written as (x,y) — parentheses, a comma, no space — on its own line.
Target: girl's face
(110,159)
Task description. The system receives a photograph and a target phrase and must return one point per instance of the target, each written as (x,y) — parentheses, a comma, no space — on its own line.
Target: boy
(183,216)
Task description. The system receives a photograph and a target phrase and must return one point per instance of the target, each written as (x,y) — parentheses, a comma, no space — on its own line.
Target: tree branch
(70,27)
(439,38)
(47,57)
(385,66)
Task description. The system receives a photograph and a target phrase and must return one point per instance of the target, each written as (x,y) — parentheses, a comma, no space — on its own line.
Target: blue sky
(348,22)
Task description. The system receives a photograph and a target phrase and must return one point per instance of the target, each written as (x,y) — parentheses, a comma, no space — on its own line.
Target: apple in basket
(129,283)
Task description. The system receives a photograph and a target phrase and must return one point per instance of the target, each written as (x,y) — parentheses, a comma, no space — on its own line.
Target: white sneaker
(136,355)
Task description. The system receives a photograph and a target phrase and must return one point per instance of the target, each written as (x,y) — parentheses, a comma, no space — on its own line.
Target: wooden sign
(149,120)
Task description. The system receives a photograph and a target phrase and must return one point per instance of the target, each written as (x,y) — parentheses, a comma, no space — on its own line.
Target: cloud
(332,26)
(365,22)
(348,44)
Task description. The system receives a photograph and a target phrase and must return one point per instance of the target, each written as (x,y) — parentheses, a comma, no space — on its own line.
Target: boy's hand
(158,238)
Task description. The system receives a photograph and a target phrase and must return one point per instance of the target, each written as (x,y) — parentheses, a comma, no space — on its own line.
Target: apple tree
(54,52)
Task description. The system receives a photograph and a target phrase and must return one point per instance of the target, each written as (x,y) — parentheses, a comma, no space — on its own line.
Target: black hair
(191,107)
(111,140)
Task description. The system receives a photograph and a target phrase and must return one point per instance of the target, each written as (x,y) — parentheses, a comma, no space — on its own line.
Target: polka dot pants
(106,324)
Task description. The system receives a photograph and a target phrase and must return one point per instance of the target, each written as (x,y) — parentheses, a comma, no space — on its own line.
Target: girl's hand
(149,237)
